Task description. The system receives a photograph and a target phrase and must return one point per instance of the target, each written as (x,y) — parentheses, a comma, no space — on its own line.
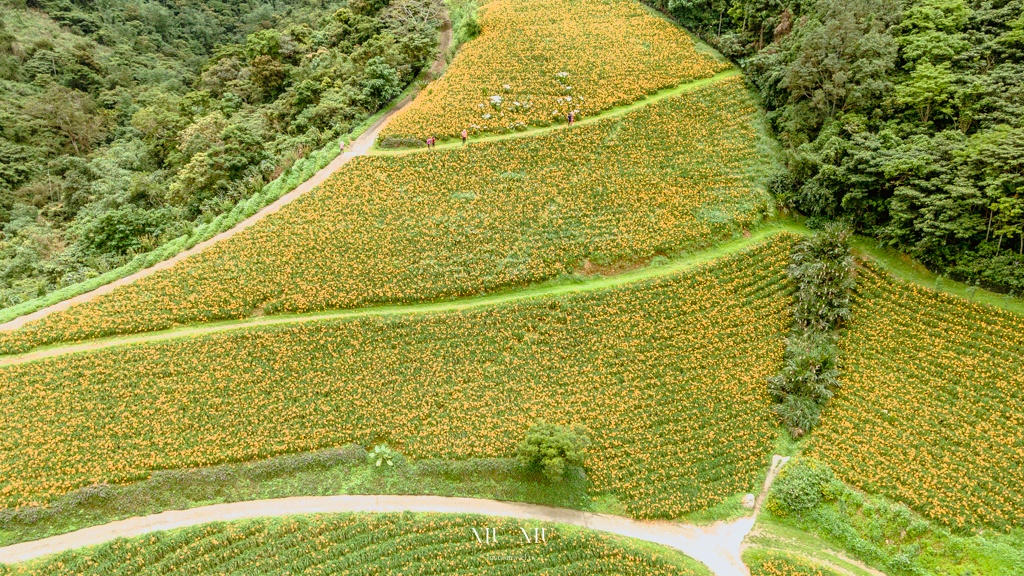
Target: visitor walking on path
(341,146)
(430,141)
(465,136)
(571,118)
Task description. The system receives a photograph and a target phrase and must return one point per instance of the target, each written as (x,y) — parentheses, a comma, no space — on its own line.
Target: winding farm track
(718,545)
(359,147)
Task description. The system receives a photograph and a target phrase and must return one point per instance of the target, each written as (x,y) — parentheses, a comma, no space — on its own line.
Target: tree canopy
(904,118)
(125,123)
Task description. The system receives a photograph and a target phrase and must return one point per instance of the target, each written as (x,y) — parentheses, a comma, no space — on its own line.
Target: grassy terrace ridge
(544,290)
(361,543)
(904,267)
(328,472)
(895,263)
(526,132)
(705,337)
(665,179)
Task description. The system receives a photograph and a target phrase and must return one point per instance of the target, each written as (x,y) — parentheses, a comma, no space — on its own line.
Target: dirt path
(717,545)
(359,147)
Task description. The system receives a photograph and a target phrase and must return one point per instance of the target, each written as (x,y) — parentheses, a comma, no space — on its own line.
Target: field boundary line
(508,296)
(543,290)
(613,112)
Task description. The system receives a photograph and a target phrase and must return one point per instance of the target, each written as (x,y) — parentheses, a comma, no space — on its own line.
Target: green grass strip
(548,289)
(903,266)
(896,263)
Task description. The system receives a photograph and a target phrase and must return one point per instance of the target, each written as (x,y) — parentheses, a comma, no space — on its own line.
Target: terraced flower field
(931,412)
(359,544)
(767,562)
(665,179)
(667,373)
(536,60)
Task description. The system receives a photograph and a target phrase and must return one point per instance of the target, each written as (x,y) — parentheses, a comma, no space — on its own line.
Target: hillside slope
(931,412)
(688,352)
(669,177)
(537,60)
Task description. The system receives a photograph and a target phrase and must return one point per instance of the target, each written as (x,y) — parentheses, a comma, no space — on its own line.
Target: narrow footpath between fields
(455,305)
(532,131)
(718,545)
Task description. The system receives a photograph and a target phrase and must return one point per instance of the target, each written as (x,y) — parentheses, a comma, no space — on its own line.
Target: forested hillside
(125,123)
(907,118)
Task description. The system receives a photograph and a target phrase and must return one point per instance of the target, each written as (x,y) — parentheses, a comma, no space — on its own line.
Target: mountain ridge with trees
(127,123)
(904,118)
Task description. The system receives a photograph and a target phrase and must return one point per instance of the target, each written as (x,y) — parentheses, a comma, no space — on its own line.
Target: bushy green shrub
(801,485)
(821,266)
(394,142)
(810,374)
(553,450)
(382,455)
(465,25)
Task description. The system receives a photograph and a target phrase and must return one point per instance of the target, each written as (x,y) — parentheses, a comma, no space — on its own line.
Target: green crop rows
(358,544)
(664,179)
(668,374)
(931,412)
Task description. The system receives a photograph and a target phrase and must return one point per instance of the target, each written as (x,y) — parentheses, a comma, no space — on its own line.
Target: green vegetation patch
(811,513)
(344,470)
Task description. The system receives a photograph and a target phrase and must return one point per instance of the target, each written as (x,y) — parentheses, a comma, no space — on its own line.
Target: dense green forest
(904,118)
(126,123)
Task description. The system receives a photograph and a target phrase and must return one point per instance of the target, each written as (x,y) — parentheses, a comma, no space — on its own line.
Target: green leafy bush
(553,450)
(465,25)
(381,455)
(821,267)
(801,485)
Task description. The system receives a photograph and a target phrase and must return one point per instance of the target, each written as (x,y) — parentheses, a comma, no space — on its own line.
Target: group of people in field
(432,141)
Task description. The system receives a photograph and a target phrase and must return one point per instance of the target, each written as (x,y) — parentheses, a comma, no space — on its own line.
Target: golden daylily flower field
(767,562)
(667,373)
(365,544)
(537,60)
(931,412)
(671,177)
